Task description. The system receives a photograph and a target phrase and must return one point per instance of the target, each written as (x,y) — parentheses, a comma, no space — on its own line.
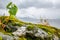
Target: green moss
(22,38)
(30,27)
(0,38)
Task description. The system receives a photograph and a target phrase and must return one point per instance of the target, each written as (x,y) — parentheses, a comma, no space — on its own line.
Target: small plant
(12,9)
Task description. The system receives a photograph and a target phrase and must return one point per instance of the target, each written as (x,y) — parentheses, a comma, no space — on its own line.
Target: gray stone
(21,31)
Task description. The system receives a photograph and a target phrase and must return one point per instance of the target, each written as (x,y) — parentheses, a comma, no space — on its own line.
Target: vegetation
(30,27)
(0,38)
(12,9)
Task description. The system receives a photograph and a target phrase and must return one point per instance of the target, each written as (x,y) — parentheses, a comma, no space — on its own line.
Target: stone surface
(20,32)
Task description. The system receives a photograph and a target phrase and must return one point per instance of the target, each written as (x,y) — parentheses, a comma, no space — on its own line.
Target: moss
(30,27)
(22,38)
(0,38)
(28,38)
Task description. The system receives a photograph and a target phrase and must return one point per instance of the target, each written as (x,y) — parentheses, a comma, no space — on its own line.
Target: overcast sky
(35,8)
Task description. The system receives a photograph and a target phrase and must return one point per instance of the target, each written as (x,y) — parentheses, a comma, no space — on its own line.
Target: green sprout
(12,9)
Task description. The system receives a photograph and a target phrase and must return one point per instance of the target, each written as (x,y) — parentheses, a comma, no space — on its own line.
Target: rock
(21,31)
(54,37)
(31,32)
(10,28)
(1,34)
(6,37)
(37,32)
(15,37)
(41,33)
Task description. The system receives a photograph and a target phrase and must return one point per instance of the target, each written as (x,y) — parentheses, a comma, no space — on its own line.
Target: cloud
(32,3)
(33,12)
(36,3)
(39,3)
(3,3)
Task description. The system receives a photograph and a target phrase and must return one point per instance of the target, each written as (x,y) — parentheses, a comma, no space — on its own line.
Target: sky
(49,9)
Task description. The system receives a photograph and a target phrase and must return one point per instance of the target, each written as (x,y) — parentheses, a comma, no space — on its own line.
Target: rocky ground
(23,31)
(18,30)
